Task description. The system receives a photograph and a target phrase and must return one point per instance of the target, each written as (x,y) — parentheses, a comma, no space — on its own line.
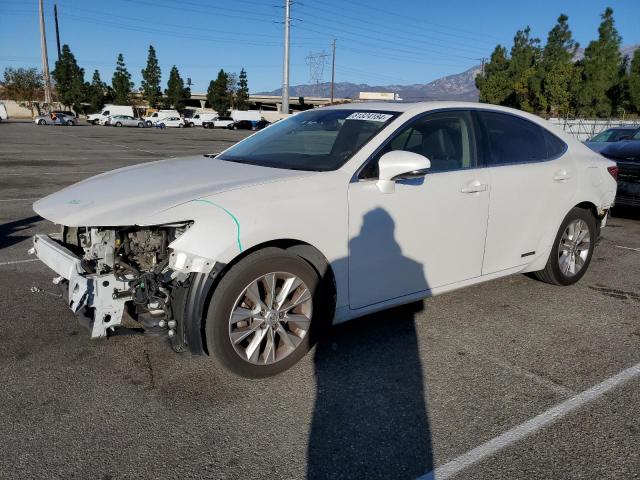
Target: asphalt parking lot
(492,382)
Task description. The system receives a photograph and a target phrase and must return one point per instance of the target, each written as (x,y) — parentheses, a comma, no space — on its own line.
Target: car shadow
(370,418)
(8,230)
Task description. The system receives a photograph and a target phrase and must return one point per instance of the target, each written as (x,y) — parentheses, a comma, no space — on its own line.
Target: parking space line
(14,262)
(19,199)
(523,372)
(49,173)
(628,248)
(531,426)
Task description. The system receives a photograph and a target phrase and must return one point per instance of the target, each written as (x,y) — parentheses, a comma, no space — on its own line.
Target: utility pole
(333,68)
(482,66)
(55,15)
(285,72)
(45,58)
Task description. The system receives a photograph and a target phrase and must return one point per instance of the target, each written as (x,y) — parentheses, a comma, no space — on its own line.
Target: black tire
(191,125)
(551,272)
(149,124)
(70,123)
(118,124)
(231,286)
(140,125)
(41,122)
(235,127)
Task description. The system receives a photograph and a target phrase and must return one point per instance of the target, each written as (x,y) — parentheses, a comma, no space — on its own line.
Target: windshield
(636,136)
(612,135)
(316,140)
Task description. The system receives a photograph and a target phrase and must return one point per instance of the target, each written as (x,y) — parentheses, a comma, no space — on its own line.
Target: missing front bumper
(93,297)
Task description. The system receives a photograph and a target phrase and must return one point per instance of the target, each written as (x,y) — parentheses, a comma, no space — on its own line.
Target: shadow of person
(370,419)
(9,229)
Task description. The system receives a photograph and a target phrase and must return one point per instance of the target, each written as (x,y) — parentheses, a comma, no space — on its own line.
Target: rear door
(533,182)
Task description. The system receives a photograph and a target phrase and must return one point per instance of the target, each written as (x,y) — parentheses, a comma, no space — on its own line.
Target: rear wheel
(70,122)
(572,249)
(261,313)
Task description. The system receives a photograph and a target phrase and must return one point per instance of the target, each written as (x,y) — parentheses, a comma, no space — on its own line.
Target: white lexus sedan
(328,215)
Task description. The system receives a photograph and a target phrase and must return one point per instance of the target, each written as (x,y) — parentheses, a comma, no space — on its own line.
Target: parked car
(126,121)
(55,118)
(331,214)
(626,154)
(160,115)
(103,117)
(605,138)
(170,122)
(199,118)
(248,125)
(218,122)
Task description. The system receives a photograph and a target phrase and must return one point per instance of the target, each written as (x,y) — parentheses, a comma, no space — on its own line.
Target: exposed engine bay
(122,271)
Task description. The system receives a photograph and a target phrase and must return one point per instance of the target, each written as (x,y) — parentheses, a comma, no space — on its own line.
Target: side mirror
(397,165)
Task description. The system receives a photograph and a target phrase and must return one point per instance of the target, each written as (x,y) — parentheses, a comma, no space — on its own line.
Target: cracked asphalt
(393,395)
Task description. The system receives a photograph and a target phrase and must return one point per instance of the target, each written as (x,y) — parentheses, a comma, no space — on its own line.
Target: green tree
(69,78)
(121,82)
(23,85)
(218,94)
(242,94)
(97,92)
(634,81)
(601,70)
(556,68)
(525,55)
(494,85)
(151,77)
(176,92)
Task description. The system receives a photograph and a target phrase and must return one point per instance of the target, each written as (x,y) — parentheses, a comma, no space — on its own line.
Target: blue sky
(378,42)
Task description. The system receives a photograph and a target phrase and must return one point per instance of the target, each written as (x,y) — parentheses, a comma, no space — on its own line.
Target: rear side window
(511,139)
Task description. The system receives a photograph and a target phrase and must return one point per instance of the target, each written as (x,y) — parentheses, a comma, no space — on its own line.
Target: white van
(107,111)
(155,117)
(3,112)
(198,118)
(252,115)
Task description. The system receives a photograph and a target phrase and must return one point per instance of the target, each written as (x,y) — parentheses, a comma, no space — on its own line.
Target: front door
(431,231)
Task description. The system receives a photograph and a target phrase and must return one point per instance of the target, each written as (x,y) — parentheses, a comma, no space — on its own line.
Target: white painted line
(14,262)
(19,199)
(529,427)
(37,174)
(628,248)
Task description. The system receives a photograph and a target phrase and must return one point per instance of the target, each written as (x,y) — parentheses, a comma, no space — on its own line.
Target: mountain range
(460,86)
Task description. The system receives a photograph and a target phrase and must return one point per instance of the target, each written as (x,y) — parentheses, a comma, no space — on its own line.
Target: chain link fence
(583,128)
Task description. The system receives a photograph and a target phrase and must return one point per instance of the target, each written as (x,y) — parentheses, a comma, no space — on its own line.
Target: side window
(447,139)
(511,139)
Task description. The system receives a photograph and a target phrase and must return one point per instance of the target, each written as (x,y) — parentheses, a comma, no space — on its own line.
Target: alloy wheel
(270,318)
(574,246)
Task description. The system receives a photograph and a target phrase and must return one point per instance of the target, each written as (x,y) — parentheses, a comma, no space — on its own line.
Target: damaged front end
(110,275)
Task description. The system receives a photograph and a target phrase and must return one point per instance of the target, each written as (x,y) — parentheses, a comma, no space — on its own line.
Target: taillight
(613,171)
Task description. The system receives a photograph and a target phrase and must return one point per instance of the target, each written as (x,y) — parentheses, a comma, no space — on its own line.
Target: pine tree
(556,68)
(218,94)
(242,94)
(121,82)
(494,85)
(525,55)
(69,79)
(97,92)
(176,92)
(601,70)
(151,77)
(634,81)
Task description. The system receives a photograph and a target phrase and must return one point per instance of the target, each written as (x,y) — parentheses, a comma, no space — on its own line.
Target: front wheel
(180,125)
(41,122)
(118,124)
(572,249)
(149,124)
(261,313)
(140,125)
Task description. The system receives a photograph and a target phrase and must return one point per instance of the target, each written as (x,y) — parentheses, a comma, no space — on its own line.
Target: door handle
(561,176)
(474,186)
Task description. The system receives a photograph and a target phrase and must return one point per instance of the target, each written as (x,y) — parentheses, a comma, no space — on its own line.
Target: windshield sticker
(371,116)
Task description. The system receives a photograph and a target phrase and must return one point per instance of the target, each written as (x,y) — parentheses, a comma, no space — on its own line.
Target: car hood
(623,150)
(133,195)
